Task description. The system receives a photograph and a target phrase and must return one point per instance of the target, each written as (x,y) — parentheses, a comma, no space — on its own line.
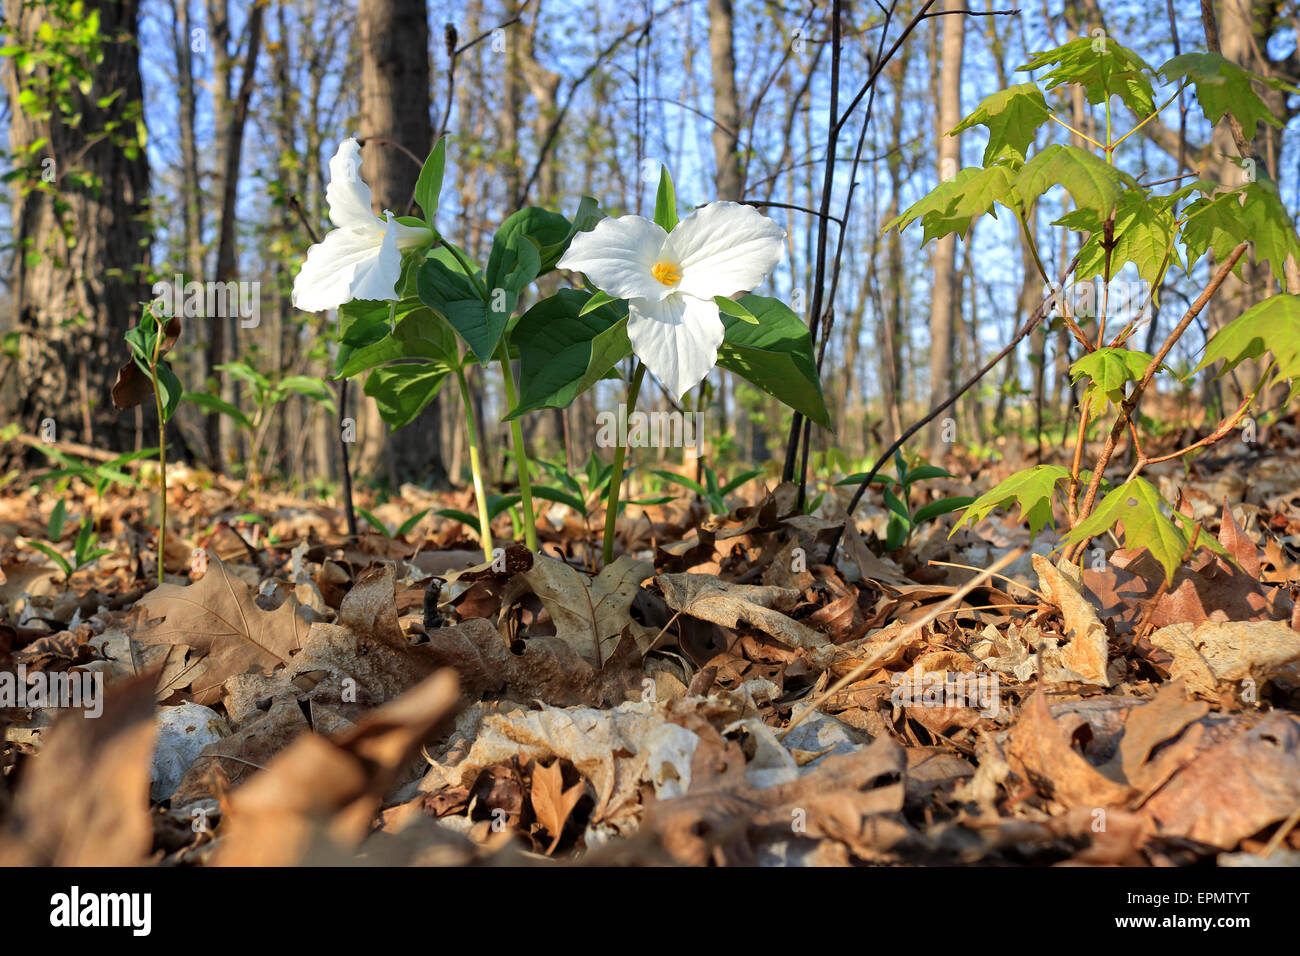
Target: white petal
(348,264)
(346,193)
(617,257)
(677,339)
(724,248)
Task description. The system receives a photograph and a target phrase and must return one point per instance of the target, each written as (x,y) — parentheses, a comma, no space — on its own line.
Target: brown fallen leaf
(85,799)
(552,804)
(1235,788)
(710,598)
(1039,752)
(323,791)
(589,613)
(1086,652)
(1217,656)
(219,619)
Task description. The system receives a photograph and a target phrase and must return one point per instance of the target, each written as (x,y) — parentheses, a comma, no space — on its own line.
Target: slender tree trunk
(79,223)
(395,107)
(943,301)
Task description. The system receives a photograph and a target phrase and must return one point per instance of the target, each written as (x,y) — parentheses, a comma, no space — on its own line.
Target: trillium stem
(476,469)
(616,477)
(521,459)
(162,451)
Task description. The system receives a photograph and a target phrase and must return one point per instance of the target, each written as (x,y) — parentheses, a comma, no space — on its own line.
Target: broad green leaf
(560,496)
(941,507)
(57,519)
(429,186)
(309,387)
(564,350)
(1253,213)
(407,526)
(775,356)
(1091,182)
(64,565)
(214,403)
(925,473)
(170,389)
(1138,506)
(1012,116)
(584,220)
(1108,370)
(1143,235)
(1272,325)
(454,297)
(1031,489)
(1103,68)
(1224,87)
(735,309)
(666,201)
(401,392)
(953,204)
(371,520)
(421,333)
(597,299)
(530,230)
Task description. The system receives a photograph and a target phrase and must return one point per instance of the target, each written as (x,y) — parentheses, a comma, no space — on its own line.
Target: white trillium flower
(670,279)
(362,257)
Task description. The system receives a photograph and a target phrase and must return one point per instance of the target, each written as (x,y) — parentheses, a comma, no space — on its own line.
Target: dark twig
(1030,324)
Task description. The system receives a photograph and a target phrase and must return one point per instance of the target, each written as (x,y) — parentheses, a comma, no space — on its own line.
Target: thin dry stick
(1030,323)
(1276,840)
(967,567)
(944,606)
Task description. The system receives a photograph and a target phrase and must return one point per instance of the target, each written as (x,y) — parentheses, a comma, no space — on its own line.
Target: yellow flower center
(667,273)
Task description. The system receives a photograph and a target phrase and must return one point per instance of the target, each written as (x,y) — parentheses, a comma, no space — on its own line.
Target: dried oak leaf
(219,619)
(710,598)
(589,613)
(547,668)
(1039,752)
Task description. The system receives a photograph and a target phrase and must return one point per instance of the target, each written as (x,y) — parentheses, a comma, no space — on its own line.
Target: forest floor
(291,695)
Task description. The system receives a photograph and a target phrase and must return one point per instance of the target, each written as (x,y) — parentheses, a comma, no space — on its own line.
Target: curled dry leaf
(1086,652)
(710,598)
(329,791)
(85,802)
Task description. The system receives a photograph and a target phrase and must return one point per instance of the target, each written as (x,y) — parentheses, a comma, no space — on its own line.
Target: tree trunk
(80,226)
(395,107)
(943,301)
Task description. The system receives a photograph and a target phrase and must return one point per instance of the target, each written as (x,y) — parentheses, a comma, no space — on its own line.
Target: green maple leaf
(954,203)
(1224,87)
(1012,116)
(1144,235)
(1273,326)
(1108,370)
(1103,68)
(1138,506)
(1092,183)
(1253,213)
(1031,489)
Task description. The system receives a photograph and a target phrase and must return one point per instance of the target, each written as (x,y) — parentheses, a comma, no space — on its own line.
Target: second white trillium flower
(362,257)
(670,279)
